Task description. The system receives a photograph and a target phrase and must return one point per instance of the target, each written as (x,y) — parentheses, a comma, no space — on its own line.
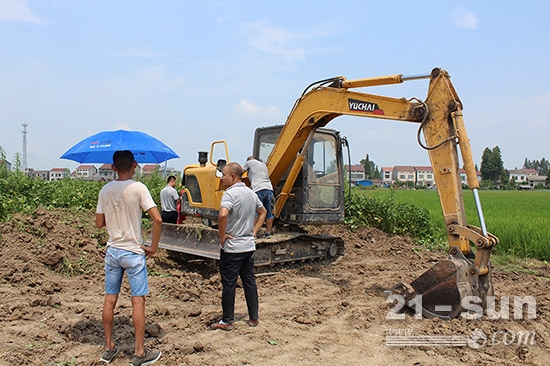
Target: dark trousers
(233,265)
(170,217)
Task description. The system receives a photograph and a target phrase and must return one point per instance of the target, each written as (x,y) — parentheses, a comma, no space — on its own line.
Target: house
(424,176)
(148,169)
(58,173)
(387,175)
(534,180)
(464,178)
(404,174)
(356,171)
(105,172)
(521,176)
(526,178)
(7,164)
(85,171)
(38,174)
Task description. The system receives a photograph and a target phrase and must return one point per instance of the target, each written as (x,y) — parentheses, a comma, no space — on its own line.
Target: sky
(193,72)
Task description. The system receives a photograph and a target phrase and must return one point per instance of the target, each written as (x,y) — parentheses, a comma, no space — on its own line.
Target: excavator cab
(317,195)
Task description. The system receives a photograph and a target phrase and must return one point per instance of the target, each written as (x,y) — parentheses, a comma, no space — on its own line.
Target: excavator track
(279,249)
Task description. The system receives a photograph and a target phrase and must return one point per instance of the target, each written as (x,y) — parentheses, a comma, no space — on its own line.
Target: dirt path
(333,314)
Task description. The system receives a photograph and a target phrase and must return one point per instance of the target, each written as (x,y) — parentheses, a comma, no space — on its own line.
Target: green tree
(17,162)
(541,166)
(371,170)
(3,163)
(492,167)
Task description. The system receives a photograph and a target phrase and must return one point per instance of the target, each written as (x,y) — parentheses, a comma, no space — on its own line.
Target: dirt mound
(51,282)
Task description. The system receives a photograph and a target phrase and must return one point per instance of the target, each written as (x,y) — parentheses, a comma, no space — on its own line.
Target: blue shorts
(119,260)
(266,196)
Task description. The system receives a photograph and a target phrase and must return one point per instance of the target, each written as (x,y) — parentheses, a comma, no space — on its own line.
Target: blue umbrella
(99,148)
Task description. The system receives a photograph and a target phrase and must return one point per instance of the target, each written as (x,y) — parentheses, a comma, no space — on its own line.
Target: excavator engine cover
(445,288)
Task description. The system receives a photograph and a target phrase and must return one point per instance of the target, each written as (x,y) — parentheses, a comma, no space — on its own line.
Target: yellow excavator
(304,161)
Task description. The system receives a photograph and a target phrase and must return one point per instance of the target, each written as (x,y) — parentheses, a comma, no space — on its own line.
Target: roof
(428,168)
(149,167)
(57,169)
(523,171)
(84,167)
(106,167)
(387,168)
(355,168)
(406,168)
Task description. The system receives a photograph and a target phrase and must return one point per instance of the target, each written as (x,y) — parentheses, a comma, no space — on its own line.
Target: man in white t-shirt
(119,208)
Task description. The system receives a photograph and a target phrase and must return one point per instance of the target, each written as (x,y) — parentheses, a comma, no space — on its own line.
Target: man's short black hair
(170,178)
(123,160)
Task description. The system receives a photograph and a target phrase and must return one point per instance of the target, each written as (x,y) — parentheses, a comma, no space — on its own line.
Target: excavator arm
(445,285)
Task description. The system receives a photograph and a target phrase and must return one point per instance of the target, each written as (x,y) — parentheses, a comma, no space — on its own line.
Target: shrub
(389,216)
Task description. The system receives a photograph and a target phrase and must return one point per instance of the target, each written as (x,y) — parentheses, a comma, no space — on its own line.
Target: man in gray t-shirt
(169,200)
(237,229)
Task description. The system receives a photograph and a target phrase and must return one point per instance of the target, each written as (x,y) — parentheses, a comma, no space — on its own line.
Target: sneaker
(267,234)
(109,355)
(148,358)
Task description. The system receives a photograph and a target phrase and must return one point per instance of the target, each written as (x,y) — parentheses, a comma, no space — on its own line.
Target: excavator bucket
(445,289)
(195,239)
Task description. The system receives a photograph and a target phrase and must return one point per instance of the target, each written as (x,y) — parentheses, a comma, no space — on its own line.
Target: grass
(520,219)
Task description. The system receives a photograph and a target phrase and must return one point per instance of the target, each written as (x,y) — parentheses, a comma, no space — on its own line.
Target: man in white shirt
(119,208)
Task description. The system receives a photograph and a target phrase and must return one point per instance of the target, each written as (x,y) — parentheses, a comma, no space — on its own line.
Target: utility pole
(25,147)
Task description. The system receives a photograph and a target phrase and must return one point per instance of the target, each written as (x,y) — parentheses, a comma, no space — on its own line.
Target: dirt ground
(51,296)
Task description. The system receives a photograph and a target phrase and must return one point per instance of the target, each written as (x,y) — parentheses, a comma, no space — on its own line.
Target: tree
(3,163)
(367,166)
(492,167)
(371,170)
(541,166)
(17,162)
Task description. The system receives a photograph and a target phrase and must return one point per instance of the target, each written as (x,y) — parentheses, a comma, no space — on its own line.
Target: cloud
(464,18)
(249,108)
(278,41)
(18,11)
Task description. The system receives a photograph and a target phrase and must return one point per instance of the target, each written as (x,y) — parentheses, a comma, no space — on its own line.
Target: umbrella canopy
(99,148)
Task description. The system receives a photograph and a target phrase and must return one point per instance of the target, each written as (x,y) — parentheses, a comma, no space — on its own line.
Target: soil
(51,297)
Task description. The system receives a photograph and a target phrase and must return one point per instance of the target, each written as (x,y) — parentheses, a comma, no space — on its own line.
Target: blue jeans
(233,265)
(118,261)
(266,196)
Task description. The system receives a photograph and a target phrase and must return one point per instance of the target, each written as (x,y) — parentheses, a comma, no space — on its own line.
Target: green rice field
(520,219)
